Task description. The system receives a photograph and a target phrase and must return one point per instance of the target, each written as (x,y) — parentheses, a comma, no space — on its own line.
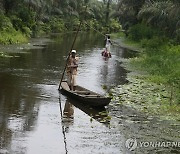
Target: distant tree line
(32,17)
(158,14)
(38,16)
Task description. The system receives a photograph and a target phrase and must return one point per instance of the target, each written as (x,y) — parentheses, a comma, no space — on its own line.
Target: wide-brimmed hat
(73,51)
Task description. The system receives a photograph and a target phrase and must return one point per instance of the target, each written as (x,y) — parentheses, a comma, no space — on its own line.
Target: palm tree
(162,14)
(96,10)
(127,11)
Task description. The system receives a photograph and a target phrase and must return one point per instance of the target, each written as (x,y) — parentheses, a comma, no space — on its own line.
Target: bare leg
(69,78)
(71,84)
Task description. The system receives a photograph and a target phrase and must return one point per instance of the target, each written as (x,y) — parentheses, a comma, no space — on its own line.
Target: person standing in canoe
(107,51)
(72,70)
(108,44)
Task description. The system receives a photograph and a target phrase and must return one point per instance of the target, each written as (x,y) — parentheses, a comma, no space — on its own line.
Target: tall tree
(108,11)
(162,14)
(127,11)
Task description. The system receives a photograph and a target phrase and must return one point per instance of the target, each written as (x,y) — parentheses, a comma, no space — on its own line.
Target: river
(31,105)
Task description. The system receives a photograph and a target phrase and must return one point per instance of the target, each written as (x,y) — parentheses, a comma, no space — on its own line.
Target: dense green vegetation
(160,57)
(162,15)
(154,85)
(21,19)
(32,17)
(153,26)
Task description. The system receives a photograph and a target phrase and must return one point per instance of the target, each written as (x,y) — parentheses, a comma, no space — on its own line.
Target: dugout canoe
(85,96)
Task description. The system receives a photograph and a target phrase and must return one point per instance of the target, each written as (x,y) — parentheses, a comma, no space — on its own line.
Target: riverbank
(12,37)
(151,88)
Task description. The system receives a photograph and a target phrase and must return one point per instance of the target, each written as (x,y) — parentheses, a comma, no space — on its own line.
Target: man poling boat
(72,70)
(107,52)
(70,86)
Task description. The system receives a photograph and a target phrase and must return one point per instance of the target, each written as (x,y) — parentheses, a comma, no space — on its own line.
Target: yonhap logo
(131,144)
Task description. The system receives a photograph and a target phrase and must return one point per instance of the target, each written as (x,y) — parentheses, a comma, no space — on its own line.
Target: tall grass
(8,34)
(12,38)
(160,58)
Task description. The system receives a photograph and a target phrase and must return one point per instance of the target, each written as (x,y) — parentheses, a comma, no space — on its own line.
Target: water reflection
(18,108)
(99,114)
(68,115)
(111,73)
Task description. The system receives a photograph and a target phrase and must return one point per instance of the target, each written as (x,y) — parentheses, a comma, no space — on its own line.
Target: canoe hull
(91,100)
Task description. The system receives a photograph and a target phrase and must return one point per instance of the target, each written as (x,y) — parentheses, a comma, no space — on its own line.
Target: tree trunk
(107,11)
(7,6)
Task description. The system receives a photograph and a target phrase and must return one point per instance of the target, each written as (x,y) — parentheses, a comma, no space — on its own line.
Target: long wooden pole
(70,51)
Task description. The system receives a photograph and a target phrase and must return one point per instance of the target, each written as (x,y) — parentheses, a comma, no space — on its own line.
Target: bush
(8,35)
(114,26)
(23,20)
(75,24)
(141,31)
(27,31)
(17,22)
(56,25)
(12,38)
(27,16)
(71,24)
(43,27)
(91,25)
(5,23)
(164,62)
(163,66)
(153,43)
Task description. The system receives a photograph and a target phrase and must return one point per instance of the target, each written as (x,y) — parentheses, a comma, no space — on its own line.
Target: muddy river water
(35,118)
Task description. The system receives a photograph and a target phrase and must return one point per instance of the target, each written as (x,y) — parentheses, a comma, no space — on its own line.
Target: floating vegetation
(104,87)
(4,55)
(147,97)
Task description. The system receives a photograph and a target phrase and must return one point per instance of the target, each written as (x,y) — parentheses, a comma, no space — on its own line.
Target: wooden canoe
(85,96)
